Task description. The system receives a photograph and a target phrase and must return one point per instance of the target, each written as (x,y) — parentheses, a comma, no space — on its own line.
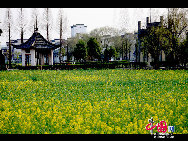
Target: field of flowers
(92,101)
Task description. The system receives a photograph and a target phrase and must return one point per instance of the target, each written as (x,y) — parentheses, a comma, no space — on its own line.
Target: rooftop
(77,24)
(36,41)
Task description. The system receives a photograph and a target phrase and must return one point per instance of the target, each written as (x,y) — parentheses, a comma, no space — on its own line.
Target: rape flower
(91,101)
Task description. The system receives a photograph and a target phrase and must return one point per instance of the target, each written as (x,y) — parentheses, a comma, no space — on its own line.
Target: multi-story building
(106,42)
(127,45)
(78,29)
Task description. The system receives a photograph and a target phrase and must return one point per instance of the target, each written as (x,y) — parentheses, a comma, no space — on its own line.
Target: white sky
(93,18)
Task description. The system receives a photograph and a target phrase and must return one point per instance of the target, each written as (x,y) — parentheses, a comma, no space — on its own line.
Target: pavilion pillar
(141,57)
(33,62)
(42,59)
(163,55)
(23,57)
(50,57)
(149,60)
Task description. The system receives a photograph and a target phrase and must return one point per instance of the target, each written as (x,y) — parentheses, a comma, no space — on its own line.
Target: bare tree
(177,23)
(61,28)
(22,23)
(106,30)
(60,32)
(47,22)
(8,26)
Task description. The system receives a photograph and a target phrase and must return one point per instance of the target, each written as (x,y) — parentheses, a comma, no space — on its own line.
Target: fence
(86,65)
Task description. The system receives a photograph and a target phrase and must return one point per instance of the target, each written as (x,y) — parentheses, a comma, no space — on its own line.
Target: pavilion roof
(36,41)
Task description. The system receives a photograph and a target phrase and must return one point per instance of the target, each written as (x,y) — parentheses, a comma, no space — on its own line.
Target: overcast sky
(99,17)
(93,18)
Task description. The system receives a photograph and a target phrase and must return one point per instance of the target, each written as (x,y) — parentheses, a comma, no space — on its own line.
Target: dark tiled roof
(36,41)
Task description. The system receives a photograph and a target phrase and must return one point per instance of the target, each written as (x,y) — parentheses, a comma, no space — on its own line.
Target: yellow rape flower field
(92,101)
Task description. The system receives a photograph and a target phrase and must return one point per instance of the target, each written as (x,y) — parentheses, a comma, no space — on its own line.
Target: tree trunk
(60,38)
(47,32)
(21,35)
(126,51)
(10,56)
(156,62)
(67,53)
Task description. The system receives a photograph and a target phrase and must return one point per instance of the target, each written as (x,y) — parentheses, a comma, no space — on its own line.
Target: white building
(77,29)
(106,42)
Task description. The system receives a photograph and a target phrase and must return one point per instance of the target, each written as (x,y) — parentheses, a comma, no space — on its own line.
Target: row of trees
(28,24)
(108,42)
(23,21)
(92,50)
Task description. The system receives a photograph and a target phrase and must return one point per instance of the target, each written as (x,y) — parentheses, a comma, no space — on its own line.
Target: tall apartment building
(77,29)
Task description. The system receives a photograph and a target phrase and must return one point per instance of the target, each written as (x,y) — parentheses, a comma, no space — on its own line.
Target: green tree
(156,39)
(109,53)
(94,49)
(183,52)
(80,52)
(177,24)
(61,53)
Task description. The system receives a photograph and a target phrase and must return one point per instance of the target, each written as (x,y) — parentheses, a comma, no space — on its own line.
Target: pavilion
(36,50)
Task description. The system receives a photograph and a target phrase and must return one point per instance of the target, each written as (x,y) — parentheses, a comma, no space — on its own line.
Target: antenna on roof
(35,26)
